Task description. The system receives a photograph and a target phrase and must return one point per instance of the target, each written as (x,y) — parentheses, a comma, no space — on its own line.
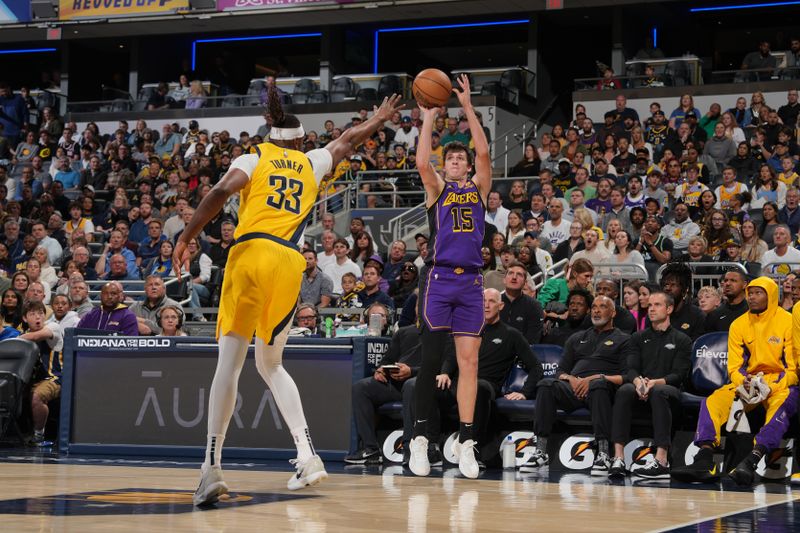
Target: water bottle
(374,328)
(509,453)
(329,331)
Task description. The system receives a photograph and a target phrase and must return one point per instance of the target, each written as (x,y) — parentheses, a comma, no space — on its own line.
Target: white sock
(222,399)
(284,390)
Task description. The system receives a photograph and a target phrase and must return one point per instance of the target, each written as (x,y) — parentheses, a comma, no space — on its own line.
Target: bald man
(112,314)
(588,376)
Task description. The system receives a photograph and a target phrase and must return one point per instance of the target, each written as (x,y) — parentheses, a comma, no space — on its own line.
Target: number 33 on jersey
(283,188)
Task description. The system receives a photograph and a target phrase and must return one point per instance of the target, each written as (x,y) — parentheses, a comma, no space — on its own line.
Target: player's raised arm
(483,162)
(430,178)
(233,181)
(358,134)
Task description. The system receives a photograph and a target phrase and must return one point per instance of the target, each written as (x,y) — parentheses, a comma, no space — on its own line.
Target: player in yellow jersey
(279,185)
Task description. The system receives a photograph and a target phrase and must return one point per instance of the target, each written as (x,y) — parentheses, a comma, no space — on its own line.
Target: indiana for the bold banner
(74,9)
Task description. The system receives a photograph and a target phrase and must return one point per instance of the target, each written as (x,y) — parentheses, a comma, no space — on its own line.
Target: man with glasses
(306,317)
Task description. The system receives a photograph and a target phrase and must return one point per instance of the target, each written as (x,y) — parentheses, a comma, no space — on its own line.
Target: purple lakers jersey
(457,224)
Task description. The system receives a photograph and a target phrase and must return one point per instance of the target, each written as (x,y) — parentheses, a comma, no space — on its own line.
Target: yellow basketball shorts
(260,289)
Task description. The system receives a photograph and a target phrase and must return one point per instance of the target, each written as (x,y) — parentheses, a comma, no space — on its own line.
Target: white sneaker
(212,486)
(310,472)
(418,462)
(538,459)
(465,453)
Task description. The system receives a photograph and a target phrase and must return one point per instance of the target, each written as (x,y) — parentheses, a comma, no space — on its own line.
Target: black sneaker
(652,470)
(703,470)
(367,456)
(536,461)
(617,470)
(601,465)
(745,472)
(435,457)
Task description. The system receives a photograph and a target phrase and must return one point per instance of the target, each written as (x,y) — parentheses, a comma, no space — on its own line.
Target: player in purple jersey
(451,285)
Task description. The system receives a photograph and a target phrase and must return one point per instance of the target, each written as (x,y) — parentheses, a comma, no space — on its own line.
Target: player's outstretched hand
(179,256)
(464,94)
(388,107)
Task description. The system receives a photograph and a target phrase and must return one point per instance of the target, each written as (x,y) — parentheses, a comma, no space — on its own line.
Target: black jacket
(721,318)
(660,354)
(591,352)
(501,346)
(525,315)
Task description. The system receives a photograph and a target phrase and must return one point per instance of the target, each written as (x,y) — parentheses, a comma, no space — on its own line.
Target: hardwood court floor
(43,496)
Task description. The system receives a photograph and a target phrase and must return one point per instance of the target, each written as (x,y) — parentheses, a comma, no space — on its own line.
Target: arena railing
(706,278)
(619,273)
(754,75)
(559,270)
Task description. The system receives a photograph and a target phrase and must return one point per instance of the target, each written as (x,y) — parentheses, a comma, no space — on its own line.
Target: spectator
(14,113)
(678,115)
(655,247)
(155,300)
(199,267)
(111,315)
(407,134)
(608,82)
(116,246)
(54,249)
(63,315)
(496,214)
(591,368)
(676,280)
(36,293)
(573,244)
(579,301)
(150,247)
(618,211)
(78,221)
(659,363)
(761,60)
(20,282)
(82,259)
(453,135)
(405,284)
(197,96)
(519,310)
(681,229)
(782,259)
(371,292)
(170,320)
(623,318)
(529,165)
(720,147)
(733,284)
(579,275)
(624,253)
(158,100)
(47,273)
(789,112)
(47,379)
(79,295)
(317,288)
(161,264)
(341,265)
(168,143)
(219,251)
(708,299)
(11,309)
(556,229)
(327,256)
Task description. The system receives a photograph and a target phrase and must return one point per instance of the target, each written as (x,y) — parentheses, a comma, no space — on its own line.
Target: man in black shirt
(219,251)
(501,347)
(734,285)
(384,386)
(656,249)
(676,280)
(579,301)
(659,363)
(623,319)
(588,375)
(520,311)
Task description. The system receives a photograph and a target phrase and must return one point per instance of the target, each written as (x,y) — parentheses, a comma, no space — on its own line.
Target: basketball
(432,88)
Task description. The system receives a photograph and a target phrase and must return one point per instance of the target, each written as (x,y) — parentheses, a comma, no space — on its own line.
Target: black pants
(553,394)
(661,402)
(446,400)
(368,395)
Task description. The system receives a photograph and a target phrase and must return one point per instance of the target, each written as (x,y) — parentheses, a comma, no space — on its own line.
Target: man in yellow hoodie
(759,342)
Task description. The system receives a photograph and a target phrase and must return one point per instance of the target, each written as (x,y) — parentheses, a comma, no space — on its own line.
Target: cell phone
(390,368)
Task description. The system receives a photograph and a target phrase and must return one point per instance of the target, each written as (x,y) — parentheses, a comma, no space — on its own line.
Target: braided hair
(276,113)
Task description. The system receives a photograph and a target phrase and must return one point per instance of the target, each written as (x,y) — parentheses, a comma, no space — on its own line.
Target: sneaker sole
(617,475)
(356,461)
(212,494)
(417,471)
(313,479)
(660,476)
(599,473)
(469,474)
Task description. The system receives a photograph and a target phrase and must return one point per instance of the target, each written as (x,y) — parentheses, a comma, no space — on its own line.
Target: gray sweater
(720,150)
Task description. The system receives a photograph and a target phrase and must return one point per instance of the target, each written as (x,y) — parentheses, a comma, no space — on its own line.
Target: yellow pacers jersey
(281,192)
